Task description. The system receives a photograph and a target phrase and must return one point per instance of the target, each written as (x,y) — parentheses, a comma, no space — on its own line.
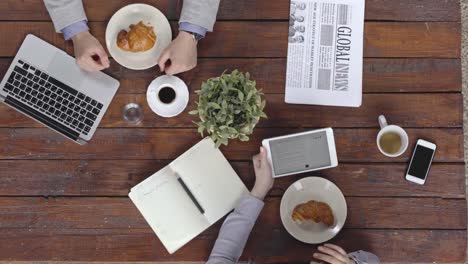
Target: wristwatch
(195,36)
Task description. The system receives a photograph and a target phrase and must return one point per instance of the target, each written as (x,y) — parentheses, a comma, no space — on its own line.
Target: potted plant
(229,107)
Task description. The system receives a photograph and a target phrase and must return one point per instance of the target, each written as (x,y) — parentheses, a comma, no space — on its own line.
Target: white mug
(386,128)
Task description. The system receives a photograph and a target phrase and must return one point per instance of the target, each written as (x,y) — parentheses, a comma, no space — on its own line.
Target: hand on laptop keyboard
(89,53)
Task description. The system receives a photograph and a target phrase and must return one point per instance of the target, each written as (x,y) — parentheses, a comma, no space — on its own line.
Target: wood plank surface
(101,10)
(407,110)
(276,246)
(120,213)
(379,75)
(390,245)
(63,202)
(117,177)
(353,145)
(382,39)
(106,262)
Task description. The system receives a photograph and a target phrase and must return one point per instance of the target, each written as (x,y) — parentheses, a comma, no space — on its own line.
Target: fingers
(178,66)
(256,162)
(165,56)
(262,154)
(89,64)
(174,69)
(182,57)
(85,64)
(327,258)
(333,253)
(259,158)
(87,48)
(337,248)
(104,59)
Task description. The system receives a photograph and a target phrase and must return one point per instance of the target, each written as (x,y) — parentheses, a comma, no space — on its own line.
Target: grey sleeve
(200,12)
(65,12)
(235,231)
(364,257)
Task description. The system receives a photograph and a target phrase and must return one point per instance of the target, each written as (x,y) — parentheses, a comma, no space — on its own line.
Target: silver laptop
(45,83)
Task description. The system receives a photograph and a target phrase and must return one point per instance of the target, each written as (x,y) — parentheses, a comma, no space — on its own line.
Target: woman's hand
(182,54)
(263,176)
(89,53)
(333,254)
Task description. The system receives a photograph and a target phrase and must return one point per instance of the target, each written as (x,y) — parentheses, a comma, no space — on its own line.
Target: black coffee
(167,95)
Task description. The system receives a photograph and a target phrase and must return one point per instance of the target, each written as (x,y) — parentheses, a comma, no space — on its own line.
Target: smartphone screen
(421,162)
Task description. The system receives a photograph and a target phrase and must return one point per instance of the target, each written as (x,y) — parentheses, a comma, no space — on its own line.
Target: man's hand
(89,53)
(263,176)
(182,54)
(333,254)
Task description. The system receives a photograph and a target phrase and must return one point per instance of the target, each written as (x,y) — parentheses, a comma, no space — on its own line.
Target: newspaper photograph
(325,52)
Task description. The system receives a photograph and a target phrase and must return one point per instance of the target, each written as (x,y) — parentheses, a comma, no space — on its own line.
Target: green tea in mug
(390,142)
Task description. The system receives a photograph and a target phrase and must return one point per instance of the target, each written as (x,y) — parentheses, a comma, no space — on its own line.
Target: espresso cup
(392,140)
(167,96)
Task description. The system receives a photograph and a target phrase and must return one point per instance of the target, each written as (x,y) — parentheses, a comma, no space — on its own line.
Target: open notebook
(167,205)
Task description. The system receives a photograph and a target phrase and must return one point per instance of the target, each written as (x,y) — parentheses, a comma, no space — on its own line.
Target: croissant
(315,211)
(140,38)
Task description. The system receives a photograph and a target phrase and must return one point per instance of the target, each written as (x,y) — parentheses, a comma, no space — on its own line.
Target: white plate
(318,189)
(132,14)
(174,108)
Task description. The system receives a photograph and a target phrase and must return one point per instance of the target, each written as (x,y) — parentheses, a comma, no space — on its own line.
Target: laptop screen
(300,153)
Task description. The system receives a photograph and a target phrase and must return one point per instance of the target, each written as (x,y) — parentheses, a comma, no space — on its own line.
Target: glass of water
(132,113)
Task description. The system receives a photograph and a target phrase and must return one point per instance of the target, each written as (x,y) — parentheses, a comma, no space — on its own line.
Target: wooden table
(64,202)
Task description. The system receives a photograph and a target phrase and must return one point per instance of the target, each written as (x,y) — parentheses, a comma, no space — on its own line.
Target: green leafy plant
(229,107)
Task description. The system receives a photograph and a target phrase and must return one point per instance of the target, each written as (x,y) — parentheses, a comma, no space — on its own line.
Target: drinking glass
(132,113)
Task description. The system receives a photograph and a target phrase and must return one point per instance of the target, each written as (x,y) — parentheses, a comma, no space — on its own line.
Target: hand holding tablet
(301,152)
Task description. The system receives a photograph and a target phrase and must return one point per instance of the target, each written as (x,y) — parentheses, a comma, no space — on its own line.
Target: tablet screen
(300,153)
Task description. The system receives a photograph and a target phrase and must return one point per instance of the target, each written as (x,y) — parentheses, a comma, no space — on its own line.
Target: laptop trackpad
(65,69)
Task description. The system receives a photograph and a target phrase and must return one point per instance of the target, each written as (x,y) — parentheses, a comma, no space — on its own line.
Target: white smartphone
(301,152)
(421,161)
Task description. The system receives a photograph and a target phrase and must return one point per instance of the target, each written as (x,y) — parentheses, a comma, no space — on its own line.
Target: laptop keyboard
(53,98)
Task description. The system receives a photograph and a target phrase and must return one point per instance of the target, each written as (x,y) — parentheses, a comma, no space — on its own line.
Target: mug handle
(382,121)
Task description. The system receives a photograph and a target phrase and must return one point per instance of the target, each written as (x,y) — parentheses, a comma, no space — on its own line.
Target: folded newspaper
(325,52)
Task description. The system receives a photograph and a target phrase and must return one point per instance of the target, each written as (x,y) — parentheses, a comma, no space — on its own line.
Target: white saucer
(174,108)
(132,14)
(318,189)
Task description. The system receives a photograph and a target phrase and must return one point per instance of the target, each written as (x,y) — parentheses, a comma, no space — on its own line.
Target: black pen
(190,194)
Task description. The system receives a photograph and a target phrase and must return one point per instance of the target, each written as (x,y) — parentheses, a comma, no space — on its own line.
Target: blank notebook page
(168,210)
(211,179)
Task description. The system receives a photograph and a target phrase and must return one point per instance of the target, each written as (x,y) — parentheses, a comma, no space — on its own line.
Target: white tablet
(301,152)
